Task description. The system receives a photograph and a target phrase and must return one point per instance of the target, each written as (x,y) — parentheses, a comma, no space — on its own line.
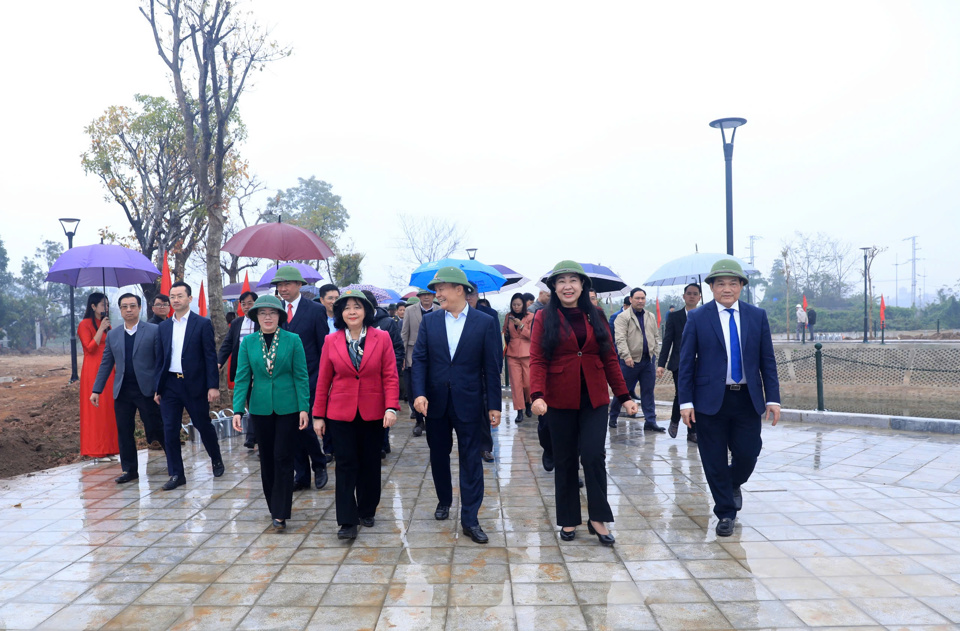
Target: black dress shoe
(653,427)
(299,486)
(418,429)
(547,462)
(476,533)
(174,482)
(367,522)
(347,532)
(568,535)
(487,456)
(672,430)
(725,527)
(528,410)
(580,481)
(218,469)
(737,498)
(126,477)
(383,455)
(442,512)
(250,443)
(606,540)
(612,424)
(691,437)
(321,477)
(519,418)
(279,525)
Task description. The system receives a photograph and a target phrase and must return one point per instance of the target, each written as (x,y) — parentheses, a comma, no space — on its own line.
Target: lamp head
(69,225)
(724,124)
(472,253)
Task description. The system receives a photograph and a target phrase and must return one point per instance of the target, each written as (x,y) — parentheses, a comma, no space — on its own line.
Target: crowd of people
(320,381)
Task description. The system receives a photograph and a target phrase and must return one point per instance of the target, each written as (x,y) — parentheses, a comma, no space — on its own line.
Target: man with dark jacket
(160,308)
(811,320)
(385,322)
(239,329)
(670,354)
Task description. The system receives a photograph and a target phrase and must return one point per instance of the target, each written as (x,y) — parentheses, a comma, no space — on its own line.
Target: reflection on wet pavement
(841,528)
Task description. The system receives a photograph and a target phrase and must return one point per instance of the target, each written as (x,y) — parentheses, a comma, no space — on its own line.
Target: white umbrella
(692,268)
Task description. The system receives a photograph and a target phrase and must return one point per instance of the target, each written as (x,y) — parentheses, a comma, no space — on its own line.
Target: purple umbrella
(102,265)
(309,274)
(382,295)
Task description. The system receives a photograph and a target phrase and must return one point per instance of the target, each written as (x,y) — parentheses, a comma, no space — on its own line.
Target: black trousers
(644,373)
(543,434)
(277,436)
(582,431)
(357,445)
(470,437)
(173,400)
(126,406)
(675,412)
(734,428)
(308,453)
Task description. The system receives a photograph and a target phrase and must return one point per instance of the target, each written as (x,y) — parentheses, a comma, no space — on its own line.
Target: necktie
(289,312)
(736,362)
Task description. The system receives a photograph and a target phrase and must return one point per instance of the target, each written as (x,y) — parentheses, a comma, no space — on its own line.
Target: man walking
(811,321)
(670,354)
(132,349)
(801,324)
(637,337)
(456,352)
(727,378)
(308,320)
(186,378)
(230,348)
(160,308)
(409,332)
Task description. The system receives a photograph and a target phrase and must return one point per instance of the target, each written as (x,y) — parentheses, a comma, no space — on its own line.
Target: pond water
(928,408)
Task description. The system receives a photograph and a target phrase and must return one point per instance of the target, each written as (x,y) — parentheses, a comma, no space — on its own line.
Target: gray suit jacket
(144,359)
(410,328)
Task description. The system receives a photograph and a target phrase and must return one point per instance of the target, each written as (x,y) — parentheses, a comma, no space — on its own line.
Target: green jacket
(285,392)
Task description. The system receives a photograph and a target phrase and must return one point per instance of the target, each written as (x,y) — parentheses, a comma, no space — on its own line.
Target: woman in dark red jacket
(358,395)
(572,359)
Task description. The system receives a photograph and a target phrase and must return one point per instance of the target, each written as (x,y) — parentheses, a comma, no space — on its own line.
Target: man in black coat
(672,336)
(307,319)
(239,329)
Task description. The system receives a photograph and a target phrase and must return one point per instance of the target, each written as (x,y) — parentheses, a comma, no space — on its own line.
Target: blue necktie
(736,362)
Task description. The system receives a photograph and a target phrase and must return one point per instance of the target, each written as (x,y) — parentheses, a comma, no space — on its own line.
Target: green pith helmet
(354,293)
(412,300)
(567,267)
(424,292)
(726,267)
(453,275)
(288,273)
(270,302)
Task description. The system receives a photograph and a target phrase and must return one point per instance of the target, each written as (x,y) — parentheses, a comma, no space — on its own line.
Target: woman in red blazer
(572,359)
(358,395)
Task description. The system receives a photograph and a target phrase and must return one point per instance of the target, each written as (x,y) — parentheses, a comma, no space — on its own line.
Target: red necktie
(289,312)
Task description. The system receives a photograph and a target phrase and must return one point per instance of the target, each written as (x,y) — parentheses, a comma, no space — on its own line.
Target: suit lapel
(714,318)
(742,332)
(370,346)
(467,328)
(192,323)
(136,339)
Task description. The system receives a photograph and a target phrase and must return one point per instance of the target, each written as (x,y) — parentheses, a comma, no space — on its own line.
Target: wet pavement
(840,528)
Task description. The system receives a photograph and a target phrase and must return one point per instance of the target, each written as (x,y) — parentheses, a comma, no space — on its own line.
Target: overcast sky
(548,130)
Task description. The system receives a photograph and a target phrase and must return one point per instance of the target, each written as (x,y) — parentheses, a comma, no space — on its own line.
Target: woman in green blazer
(272,368)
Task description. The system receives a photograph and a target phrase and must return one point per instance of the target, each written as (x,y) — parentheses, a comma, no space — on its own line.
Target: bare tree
(785,255)
(871,255)
(429,238)
(214,47)
(230,263)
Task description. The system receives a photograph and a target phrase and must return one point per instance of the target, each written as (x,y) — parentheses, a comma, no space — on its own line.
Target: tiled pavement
(840,528)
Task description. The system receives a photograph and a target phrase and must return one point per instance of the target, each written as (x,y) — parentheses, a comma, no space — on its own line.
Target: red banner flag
(202,302)
(804,302)
(243,290)
(658,311)
(165,280)
(883,310)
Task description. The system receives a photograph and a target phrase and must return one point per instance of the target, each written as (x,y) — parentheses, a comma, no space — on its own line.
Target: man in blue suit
(187,377)
(727,378)
(456,386)
(307,319)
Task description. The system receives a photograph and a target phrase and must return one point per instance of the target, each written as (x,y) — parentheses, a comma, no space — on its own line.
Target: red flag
(243,290)
(202,302)
(165,280)
(658,310)
(883,310)
(804,302)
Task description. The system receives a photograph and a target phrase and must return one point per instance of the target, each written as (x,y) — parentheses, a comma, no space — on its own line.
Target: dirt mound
(37,435)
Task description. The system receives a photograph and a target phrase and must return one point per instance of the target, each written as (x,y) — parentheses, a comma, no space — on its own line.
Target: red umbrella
(278,241)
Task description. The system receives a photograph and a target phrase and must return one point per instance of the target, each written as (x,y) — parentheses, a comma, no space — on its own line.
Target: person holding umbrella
(358,397)
(516,335)
(98,425)
(272,372)
(572,360)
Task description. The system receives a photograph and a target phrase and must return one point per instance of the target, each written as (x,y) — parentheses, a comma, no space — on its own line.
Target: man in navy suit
(187,377)
(727,378)
(456,386)
(307,319)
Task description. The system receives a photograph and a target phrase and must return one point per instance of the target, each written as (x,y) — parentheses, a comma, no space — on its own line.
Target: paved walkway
(840,528)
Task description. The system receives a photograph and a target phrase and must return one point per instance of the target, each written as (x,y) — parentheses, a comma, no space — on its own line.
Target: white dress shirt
(294,304)
(454,326)
(725,325)
(176,351)
(132,331)
(246,327)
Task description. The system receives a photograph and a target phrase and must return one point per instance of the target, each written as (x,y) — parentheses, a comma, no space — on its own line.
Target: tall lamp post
(865,250)
(70,228)
(723,124)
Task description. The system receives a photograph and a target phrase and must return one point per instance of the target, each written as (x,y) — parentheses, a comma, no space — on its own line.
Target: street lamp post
(865,326)
(70,228)
(724,124)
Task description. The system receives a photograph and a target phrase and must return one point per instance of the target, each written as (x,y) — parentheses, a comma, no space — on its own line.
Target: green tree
(346,268)
(32,300)
(312,205)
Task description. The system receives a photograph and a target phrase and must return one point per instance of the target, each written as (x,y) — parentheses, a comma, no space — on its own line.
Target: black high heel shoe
(568,535)
(606,540)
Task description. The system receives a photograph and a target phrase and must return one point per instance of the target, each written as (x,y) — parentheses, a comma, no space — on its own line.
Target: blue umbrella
(604,280)
(515,280)
(691,269)
(102,265)
(486,277)
(309,274)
